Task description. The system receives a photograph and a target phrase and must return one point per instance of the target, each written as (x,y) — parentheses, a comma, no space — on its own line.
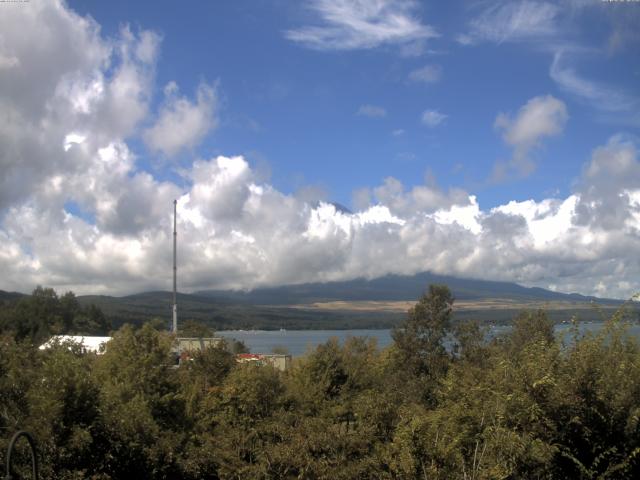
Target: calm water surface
(298,342)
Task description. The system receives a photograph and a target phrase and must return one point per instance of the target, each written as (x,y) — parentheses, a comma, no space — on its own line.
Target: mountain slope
(10,296)
(307,306)
(394,288)
(223,314)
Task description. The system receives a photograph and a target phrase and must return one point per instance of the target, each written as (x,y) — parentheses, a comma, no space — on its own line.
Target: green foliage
(42,314)
(420,339)
(531,327)
(524,406)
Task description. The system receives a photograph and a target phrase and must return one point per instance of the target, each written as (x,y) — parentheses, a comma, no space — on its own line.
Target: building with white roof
(96,345)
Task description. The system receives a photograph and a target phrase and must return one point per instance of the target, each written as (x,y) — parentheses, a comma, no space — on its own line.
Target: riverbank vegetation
(523,406)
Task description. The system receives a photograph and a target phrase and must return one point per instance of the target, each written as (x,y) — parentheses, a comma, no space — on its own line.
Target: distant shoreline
(299,342)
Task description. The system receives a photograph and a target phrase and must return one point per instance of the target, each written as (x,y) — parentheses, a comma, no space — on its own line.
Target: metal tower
(175,273)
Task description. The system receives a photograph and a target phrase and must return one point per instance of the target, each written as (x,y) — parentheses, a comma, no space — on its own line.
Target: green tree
(42,314)
(419,340)
(65,413)
(69,310)
(598,411)
(240,410)
(203,374)
(37,316)
(90,320)
(531,326)
(144,411)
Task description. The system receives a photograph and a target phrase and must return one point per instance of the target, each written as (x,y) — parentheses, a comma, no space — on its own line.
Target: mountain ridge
(308,306)
(391,287)
(395,288)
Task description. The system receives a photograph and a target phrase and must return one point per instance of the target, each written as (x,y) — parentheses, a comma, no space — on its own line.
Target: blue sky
(295,108)
(490,139)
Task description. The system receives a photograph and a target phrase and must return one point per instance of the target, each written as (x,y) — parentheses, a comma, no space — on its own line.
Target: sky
(317,141)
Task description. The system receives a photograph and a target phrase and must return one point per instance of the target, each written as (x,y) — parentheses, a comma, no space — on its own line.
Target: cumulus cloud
(432,118)
(540,117)
(363,24)
(609,187)
(73,83)
(372,111)
(182,123)
(236,230)
(426,74)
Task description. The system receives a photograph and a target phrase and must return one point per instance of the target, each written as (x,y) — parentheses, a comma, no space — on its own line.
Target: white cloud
(182,123)
(540,117)
(238,233)
(7,62)
(372,111)
(546,220)
(237,230)
(554,28)
(513,21)
(73,139)
(426,74)
(466,216)
(419,200)
(602,97)
(362,24)
(66,80)
(609,186)
(433,118)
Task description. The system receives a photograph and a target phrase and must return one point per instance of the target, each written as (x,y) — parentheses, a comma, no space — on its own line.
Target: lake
(298,342)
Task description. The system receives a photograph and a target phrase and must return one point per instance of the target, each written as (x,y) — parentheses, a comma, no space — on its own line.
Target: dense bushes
(523,406)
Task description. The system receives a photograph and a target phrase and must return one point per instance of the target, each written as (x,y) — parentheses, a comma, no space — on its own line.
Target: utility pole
(175,272)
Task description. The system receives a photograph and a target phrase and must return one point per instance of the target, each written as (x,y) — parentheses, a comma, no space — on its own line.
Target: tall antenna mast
(175,273)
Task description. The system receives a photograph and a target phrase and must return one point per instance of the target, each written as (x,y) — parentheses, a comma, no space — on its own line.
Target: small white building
(96,345)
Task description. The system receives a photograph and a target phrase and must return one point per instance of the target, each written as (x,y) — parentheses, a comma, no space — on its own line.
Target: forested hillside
(523,406)
(294,307)
(229,314)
